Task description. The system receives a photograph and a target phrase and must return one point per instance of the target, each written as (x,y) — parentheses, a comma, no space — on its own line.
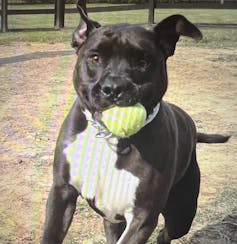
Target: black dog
(127,181)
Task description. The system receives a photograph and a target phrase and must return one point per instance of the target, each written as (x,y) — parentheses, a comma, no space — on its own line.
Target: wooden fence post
(4,25)
(59,14)
(151,18)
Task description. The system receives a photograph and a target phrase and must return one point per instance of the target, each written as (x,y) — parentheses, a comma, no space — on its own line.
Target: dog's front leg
(113,231)
(62,198)
(60,208)
(139,227)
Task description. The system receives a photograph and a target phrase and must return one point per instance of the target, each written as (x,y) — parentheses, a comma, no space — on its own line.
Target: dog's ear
(84,28)
(170,29)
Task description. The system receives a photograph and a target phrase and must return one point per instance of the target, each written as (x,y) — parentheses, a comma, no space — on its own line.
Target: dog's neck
(103,132)
(152,115)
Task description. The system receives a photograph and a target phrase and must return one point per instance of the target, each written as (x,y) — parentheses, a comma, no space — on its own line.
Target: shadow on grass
(224,232)
(35,55)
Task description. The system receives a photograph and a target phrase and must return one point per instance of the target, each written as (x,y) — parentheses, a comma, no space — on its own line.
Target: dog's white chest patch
(93,173)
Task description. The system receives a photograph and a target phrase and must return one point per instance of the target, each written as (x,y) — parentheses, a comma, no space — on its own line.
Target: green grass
(133,16)
(218,16)
(31,6)
(51,6)
(213,38)
(216,38)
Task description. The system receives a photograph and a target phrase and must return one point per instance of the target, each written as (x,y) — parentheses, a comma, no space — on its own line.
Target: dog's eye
(94,59)
(143,64)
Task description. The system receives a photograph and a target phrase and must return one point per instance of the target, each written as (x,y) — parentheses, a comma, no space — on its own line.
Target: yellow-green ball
(124,121)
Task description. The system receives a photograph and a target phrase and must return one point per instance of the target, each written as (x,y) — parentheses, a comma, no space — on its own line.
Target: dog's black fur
(123,65)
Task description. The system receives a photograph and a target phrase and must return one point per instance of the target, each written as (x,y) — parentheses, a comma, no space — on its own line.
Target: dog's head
(124,64)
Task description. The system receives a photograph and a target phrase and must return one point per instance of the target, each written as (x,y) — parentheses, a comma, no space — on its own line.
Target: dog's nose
(114,88)
(111,90)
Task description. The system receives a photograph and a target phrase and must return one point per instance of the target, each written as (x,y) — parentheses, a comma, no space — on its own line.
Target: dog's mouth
(101,104)
(101,100)
(96,101)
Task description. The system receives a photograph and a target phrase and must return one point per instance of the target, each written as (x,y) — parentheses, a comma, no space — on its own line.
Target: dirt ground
(35,94)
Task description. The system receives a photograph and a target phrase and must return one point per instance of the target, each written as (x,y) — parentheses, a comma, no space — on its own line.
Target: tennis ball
(124,121)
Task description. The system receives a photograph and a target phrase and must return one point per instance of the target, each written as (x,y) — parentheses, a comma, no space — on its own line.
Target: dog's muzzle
(115,90)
